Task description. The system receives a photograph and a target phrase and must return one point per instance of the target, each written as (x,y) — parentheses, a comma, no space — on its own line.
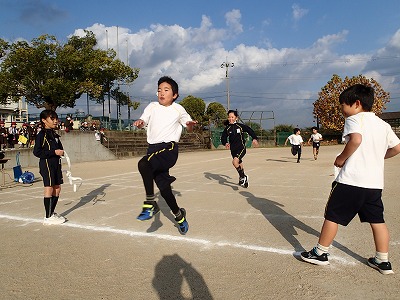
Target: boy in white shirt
(357,188)
(164,120)
(316,137)
(296,141)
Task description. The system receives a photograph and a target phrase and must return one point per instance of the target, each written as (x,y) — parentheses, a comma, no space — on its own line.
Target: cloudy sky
(280,53)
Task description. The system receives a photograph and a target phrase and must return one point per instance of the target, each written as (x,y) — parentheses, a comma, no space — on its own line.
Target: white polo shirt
(164,123)
(365,167)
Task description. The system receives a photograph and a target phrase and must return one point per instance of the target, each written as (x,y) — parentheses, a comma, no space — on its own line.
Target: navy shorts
(315,145)
(346,201)
(239,153)
(50,170)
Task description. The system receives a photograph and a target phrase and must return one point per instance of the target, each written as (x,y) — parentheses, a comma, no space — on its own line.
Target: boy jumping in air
(164,120)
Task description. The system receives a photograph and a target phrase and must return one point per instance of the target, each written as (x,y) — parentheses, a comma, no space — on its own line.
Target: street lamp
(226,65)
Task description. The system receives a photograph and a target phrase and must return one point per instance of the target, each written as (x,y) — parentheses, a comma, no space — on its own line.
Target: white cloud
(233,21)
(298,13)
(331,39)
(285,80)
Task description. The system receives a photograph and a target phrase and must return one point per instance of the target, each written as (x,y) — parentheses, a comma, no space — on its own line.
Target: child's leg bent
(169,197)
(236,162)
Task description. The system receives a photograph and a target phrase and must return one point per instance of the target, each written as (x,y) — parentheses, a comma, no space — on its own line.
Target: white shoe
(55,219)
(244,181)
(59,216)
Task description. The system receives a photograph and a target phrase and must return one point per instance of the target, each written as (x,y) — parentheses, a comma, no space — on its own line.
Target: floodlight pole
(227,64)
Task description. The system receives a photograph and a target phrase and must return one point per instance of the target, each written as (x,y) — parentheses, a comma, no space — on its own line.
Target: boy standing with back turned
(358,187)
(164,120)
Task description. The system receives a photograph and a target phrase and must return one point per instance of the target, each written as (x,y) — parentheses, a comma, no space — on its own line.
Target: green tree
(284,128)
(327,108)
(50,75)
(195,107)
(216,114)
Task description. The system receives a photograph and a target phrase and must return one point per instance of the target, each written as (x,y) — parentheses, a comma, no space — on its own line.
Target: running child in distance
(164,120)
(237,144)
(316,138)
(296,141)
(358,187)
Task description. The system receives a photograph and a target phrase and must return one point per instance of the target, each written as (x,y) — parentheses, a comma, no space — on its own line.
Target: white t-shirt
(316,137)
(365,167)
(164,123)
(295,139)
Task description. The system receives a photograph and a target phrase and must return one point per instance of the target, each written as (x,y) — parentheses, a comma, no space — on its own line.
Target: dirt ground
(242,243)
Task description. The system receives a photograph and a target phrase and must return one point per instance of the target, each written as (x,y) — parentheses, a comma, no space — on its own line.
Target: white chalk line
(207,244)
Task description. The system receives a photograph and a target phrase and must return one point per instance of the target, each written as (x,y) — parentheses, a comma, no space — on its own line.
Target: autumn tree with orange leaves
(327,108)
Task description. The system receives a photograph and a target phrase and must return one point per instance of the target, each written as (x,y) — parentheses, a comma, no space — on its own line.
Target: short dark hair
(233,112)
(172,83)
(312,128)
(365,94)
(296,130)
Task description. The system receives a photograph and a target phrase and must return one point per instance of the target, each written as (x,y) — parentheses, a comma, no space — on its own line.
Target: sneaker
(183,225)
(56,215)
(53,220)
(384,267)
(149,211)
(313,258)
(244,181)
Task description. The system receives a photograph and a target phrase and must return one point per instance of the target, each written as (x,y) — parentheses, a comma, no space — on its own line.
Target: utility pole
(109,100)
(226,65)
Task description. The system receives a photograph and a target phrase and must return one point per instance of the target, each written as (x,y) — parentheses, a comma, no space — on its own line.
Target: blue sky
(283,51)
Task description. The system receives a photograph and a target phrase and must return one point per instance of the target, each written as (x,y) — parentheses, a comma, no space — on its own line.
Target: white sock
(319,249)
(381,257)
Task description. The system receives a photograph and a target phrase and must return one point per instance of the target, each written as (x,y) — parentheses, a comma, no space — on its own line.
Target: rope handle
(66,157)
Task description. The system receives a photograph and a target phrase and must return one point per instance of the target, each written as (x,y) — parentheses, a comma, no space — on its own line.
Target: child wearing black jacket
(48,149)
(235,132)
